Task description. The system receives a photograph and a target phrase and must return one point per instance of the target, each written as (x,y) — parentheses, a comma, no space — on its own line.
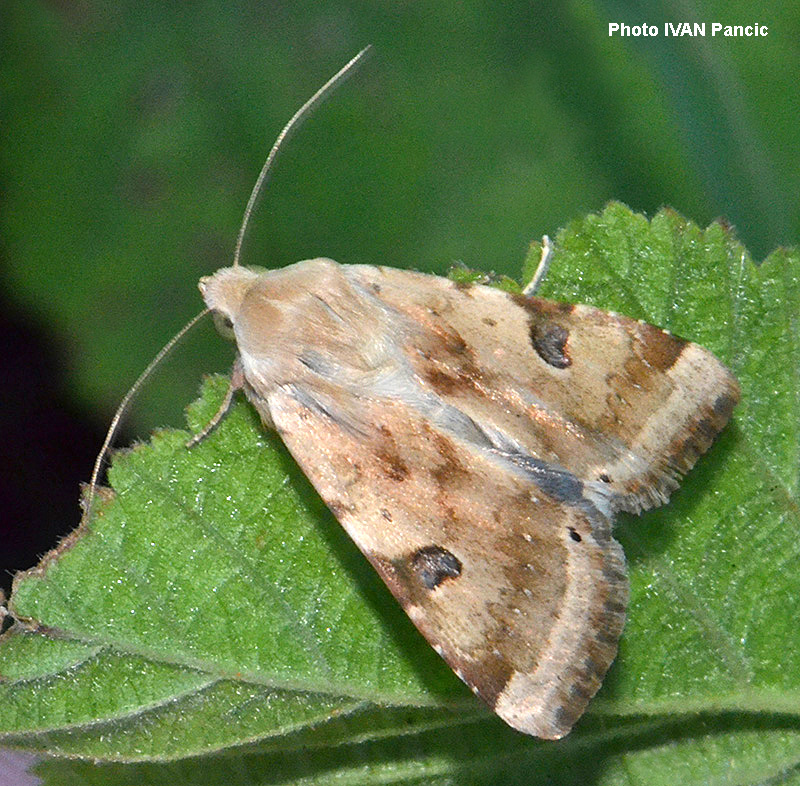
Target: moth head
(265,310)
(224,293)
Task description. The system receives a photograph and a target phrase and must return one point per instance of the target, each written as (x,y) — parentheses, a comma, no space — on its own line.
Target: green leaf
(215,606)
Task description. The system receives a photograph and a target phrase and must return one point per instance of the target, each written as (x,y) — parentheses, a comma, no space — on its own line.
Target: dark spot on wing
(637,378)
(550,342)
(432,565)
(573,533)
(549,337)
(489,322)
(604,478)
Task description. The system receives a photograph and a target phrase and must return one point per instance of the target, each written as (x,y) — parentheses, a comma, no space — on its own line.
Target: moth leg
(541,270)
(237,383)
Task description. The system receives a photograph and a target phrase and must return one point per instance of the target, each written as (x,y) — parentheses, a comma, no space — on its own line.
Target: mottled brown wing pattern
(611,399)
(523,595)
(476,446)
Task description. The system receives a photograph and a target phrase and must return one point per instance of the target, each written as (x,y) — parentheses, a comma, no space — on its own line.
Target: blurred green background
(132,132)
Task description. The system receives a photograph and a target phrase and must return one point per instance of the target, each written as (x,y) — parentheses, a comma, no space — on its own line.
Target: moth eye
(224,325)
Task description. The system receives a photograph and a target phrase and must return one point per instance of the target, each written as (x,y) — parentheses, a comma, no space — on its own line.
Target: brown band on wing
(701,431)
(658,348)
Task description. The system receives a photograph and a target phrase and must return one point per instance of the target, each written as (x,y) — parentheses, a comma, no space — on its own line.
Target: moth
(476,445)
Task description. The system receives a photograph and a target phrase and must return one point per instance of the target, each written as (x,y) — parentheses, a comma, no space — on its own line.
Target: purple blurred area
(14,767)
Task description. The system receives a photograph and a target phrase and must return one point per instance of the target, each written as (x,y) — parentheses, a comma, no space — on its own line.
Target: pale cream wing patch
(522,594)
(613,400)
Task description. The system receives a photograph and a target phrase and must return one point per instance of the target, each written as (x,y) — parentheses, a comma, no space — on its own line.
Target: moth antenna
(123,406)
(299,116)
(541,268)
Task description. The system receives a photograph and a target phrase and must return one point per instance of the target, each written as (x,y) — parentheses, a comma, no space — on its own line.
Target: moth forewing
(475,445)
